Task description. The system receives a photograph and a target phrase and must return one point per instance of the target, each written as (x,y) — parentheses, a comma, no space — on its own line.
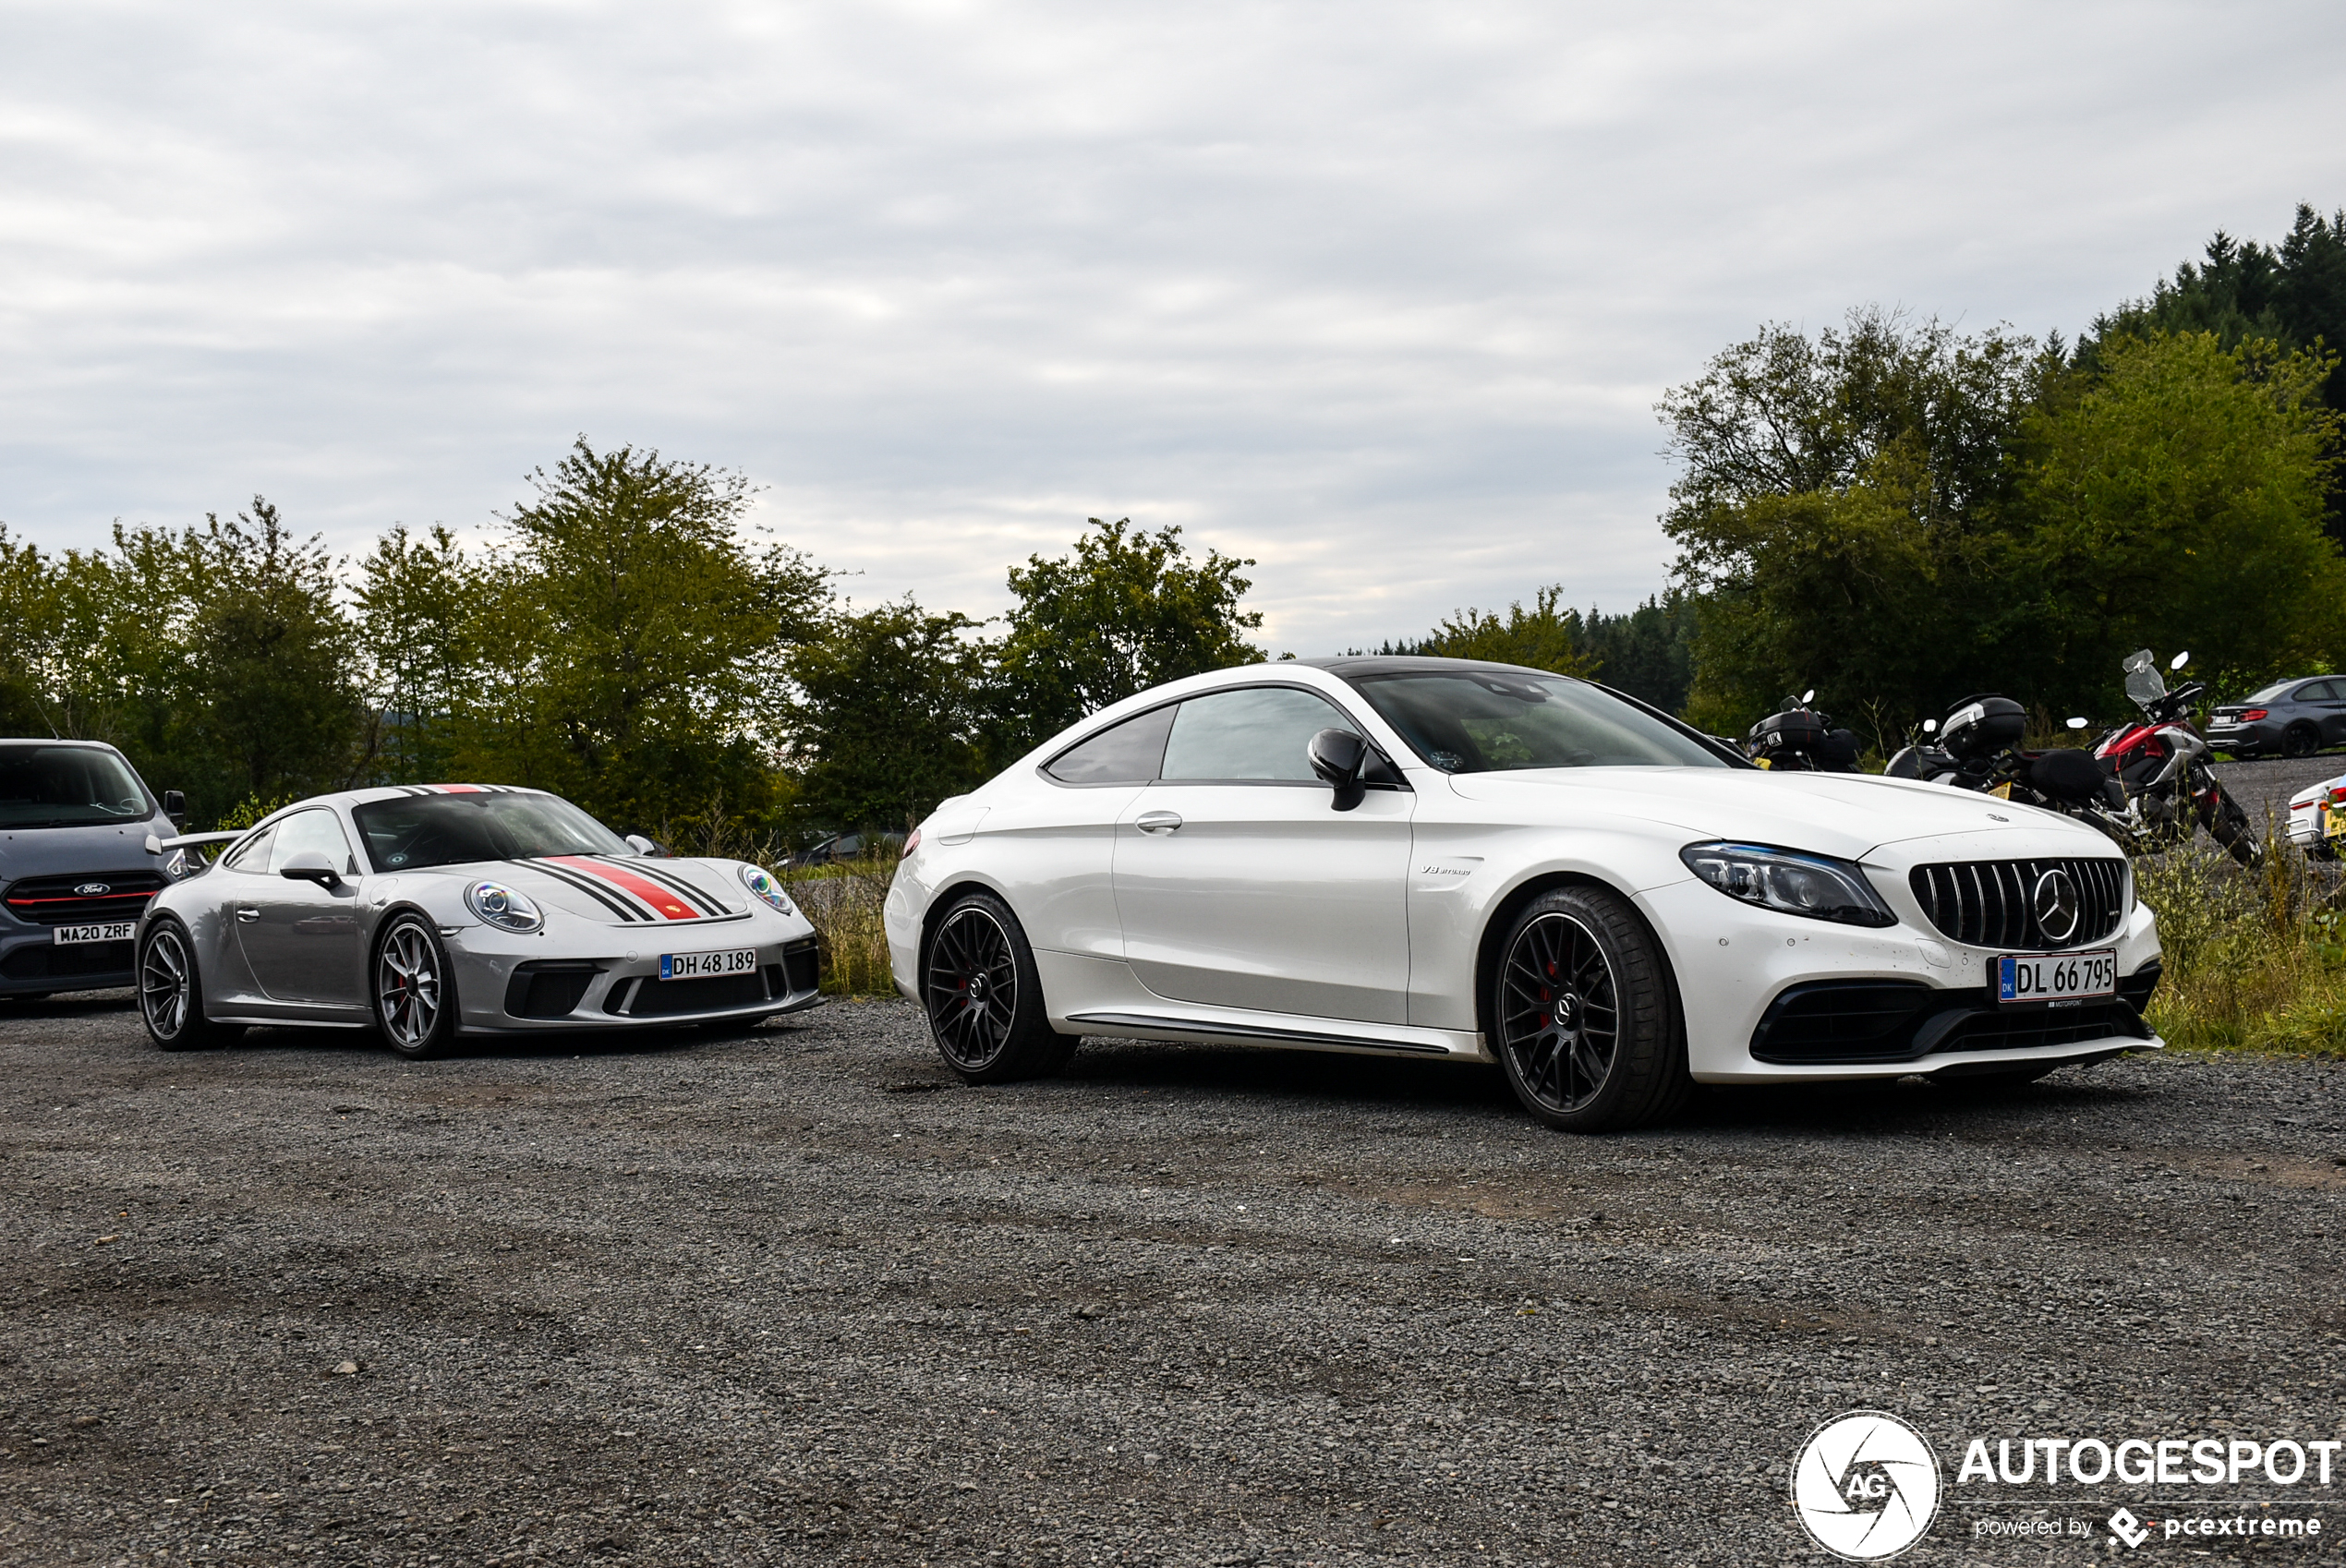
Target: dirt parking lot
(789,1296)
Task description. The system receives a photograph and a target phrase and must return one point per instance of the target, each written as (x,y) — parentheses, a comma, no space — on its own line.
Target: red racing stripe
(662,900)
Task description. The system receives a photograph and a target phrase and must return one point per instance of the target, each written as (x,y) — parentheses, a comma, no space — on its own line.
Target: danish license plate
(2024,978)
(109,931)
(2335,821)
(701,966)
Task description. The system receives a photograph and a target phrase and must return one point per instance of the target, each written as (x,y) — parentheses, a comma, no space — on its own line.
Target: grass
(844,901)
(2255,959)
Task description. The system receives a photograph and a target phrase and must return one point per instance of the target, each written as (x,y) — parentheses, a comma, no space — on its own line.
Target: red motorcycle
(2162,767)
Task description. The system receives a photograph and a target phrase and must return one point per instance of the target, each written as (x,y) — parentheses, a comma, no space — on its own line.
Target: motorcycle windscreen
(2143,684)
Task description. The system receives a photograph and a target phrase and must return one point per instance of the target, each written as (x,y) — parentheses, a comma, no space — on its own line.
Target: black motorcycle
(1798,739)
(1978,747)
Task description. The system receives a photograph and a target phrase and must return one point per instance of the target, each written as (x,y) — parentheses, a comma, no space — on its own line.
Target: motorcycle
(2161,769)
(1978,748)
(1798,739)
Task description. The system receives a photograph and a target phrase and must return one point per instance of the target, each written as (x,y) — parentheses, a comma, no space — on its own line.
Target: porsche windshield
(1486,721)
(424,830)
(67,786)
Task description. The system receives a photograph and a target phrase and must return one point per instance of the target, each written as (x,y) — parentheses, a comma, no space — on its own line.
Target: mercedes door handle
(1158,821)
(247,916)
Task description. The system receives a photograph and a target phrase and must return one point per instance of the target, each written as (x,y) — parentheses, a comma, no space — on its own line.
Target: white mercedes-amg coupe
(426,911)
(1441,858)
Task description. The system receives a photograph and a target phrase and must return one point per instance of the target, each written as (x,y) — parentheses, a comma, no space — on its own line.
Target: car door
(1238,885)
(300,939)
(2328,701)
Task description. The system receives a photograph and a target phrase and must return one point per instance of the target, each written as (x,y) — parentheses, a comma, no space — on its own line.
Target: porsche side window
(253,855)
(312,831)
(1253,733)
(1121,753)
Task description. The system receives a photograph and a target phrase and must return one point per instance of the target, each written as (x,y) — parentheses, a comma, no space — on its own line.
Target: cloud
(1381,296)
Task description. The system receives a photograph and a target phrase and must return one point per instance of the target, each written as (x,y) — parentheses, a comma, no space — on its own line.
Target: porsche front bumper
(511,989)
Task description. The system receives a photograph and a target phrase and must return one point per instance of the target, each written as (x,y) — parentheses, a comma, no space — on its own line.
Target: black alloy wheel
(415,994)
(2300,741)
(1585,1022)
(171,993)
(983,998)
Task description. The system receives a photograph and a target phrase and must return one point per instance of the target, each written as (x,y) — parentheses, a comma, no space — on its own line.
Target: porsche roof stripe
(662,901)
(692,893)
(593,888)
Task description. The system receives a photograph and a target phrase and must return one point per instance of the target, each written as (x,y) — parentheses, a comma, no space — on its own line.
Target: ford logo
(91,889)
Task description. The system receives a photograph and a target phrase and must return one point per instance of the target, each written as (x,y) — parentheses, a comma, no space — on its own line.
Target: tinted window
(67,786)
(1121,753)
(2270,694)
(312,831)
(1477,721)
(1255,733)
(2315,692)
(420,830)
(253,855)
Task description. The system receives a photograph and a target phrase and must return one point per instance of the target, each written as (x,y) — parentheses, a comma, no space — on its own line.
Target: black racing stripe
(603,893)
(413,790)
(690,891)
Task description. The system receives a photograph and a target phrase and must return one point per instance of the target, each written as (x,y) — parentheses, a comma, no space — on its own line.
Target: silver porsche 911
(428,911)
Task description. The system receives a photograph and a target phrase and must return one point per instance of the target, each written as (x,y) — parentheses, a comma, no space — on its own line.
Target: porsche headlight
(502,907)
(1789,882)
(762,883)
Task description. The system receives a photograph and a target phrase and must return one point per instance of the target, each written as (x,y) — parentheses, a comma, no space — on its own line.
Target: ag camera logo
(1866,1486)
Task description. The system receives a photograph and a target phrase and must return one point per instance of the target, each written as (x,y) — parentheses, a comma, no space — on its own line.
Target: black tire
(2301,740)
(983,998)
(1583,1016)
(171,992)
(415,994)
(2229,826)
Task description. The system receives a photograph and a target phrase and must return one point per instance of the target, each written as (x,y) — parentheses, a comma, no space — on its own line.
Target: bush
(2255,959)
(844,901)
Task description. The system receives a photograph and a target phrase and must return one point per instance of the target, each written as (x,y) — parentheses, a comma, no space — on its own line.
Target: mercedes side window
(1256,733)
(1121,753)
(251,857)
(308,831)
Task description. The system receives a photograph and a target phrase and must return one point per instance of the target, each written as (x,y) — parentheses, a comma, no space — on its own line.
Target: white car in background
(2318,818)
(1473,862)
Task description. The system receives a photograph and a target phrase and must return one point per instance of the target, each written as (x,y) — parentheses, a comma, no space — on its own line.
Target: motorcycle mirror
(1930,726)
(1809,695)
(2179,661)
(2076,724)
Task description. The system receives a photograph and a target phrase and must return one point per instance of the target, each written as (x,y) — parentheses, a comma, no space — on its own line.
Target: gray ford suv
(2291,719)
(75,873)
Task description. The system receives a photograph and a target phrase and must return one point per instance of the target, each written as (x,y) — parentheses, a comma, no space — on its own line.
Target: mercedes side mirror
(174,807)
(312,865)
(641,845)
(1340,756)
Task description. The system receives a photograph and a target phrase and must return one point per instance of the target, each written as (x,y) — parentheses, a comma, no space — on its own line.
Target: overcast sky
(1382,295)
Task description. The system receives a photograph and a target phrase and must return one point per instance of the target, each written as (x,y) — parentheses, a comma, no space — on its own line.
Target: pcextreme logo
(1866,1486)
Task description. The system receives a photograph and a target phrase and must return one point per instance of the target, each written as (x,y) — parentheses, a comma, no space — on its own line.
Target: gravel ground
(2264,786)
(789,1296)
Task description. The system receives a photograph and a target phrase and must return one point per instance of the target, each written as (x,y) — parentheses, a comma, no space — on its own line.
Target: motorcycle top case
(1984,725)
(1794,729)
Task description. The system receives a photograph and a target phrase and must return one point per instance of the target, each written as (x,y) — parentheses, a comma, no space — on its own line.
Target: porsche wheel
(414,996)
(983,998)
(1585,1024)
(171,993)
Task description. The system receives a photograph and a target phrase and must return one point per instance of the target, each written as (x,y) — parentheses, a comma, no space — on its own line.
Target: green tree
(28,637)
(1540,638)
(418,603)
(883,716)
(1128,611)
(2175,500)
(630,650)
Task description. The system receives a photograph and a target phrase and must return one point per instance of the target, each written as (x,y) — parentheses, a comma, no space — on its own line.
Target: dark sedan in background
(2289,718)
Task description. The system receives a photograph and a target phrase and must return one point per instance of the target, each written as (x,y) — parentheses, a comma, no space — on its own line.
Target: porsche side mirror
(641,845)
(174,807)
(1338,756)
(312,865)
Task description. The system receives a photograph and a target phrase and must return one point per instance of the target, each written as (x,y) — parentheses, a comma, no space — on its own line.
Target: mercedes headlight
(502,907)
(1789,882)
(762,883)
